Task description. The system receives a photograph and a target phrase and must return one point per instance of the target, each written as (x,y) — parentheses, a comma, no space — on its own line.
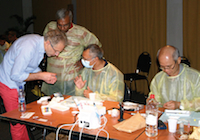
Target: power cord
(102,129)
(57,131)
(82,131)
(80,135)
(70,133)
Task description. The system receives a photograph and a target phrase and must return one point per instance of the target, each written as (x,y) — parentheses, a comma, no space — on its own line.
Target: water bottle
(151,117)
(21,99)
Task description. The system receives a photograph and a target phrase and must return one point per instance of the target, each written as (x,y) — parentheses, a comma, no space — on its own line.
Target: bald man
(177,86)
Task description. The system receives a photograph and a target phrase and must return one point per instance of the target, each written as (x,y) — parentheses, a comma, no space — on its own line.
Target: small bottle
(152,117)
(21,99)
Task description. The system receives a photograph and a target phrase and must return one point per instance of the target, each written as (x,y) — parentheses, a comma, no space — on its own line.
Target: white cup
(172,124)
(92,96)
(115,113)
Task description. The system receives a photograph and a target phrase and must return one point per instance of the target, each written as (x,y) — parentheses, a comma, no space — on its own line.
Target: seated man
(177,85)
(99,76)
(4,45)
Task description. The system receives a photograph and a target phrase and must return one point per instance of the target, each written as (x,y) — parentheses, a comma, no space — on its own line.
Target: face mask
(86,63)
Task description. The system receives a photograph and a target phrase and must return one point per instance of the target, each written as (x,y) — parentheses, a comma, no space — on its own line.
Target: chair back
(185,60)
(144,62)
(127,93)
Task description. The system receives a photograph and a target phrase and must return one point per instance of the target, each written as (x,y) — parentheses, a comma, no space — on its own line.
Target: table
(66,117)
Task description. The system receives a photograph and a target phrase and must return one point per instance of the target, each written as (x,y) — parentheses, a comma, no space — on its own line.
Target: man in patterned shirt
(67,65)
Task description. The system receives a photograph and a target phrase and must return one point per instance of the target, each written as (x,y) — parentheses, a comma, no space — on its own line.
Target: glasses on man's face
(56,52)
(168,67)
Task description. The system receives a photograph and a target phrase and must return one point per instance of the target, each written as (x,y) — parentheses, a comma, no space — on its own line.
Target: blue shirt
(21,59)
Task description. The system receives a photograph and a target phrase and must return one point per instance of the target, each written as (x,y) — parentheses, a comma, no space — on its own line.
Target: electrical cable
(70,133)
(102,129)
(82,131)
(57,131)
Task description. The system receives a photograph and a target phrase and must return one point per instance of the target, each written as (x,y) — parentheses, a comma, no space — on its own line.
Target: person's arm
(79,82)
(154,90)
(192,105)
(48,77)
(115,92)
(50,26)
(172,105)
(90,38)
(111,86)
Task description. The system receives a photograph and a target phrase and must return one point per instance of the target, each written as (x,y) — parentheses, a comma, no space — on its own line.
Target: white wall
(175,24)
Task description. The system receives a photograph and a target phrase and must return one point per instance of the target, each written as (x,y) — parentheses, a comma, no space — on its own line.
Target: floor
(37,132)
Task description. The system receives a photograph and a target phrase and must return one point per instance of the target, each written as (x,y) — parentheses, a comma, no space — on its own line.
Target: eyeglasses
(56,52)
(168,67)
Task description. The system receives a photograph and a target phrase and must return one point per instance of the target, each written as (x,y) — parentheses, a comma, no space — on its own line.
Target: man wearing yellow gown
(177,86)
(67,65)
(99,76)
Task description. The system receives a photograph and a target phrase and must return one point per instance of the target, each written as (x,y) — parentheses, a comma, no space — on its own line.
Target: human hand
(172,105)
(87,92)
(49,77)
(79,82)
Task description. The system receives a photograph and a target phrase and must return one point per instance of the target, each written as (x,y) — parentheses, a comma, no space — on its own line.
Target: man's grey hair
(55,36)
(62,13)
(175,55)
(95,51)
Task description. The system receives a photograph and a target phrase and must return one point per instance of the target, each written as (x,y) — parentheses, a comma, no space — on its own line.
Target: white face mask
(86,63)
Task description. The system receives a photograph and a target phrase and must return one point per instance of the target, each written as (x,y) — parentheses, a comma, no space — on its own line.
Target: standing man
(20,64)
(99,76)
(177,86)
(67,65)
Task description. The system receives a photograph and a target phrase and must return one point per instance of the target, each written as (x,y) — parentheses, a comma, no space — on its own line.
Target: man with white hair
(177,86)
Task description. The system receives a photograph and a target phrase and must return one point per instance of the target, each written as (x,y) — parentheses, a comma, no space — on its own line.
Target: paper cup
(92,96)
(115,113)
(172,124)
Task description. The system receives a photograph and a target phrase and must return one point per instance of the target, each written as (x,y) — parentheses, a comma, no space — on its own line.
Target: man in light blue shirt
(20,64)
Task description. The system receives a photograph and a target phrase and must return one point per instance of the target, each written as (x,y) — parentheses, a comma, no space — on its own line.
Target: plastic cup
(115,113)
(172,124)
(92,96)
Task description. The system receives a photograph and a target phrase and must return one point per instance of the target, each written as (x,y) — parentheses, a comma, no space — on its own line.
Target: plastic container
(151,117)
(21,100)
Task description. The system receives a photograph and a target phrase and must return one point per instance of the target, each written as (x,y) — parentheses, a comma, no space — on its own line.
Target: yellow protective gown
(64,65)
(107,83)
(184,88)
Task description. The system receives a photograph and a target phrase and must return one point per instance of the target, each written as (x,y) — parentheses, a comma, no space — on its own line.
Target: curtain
(191,31)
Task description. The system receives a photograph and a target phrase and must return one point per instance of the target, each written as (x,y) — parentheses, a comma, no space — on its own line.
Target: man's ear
(179,60)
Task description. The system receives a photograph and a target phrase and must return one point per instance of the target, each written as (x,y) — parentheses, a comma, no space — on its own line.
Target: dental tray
(177,112)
